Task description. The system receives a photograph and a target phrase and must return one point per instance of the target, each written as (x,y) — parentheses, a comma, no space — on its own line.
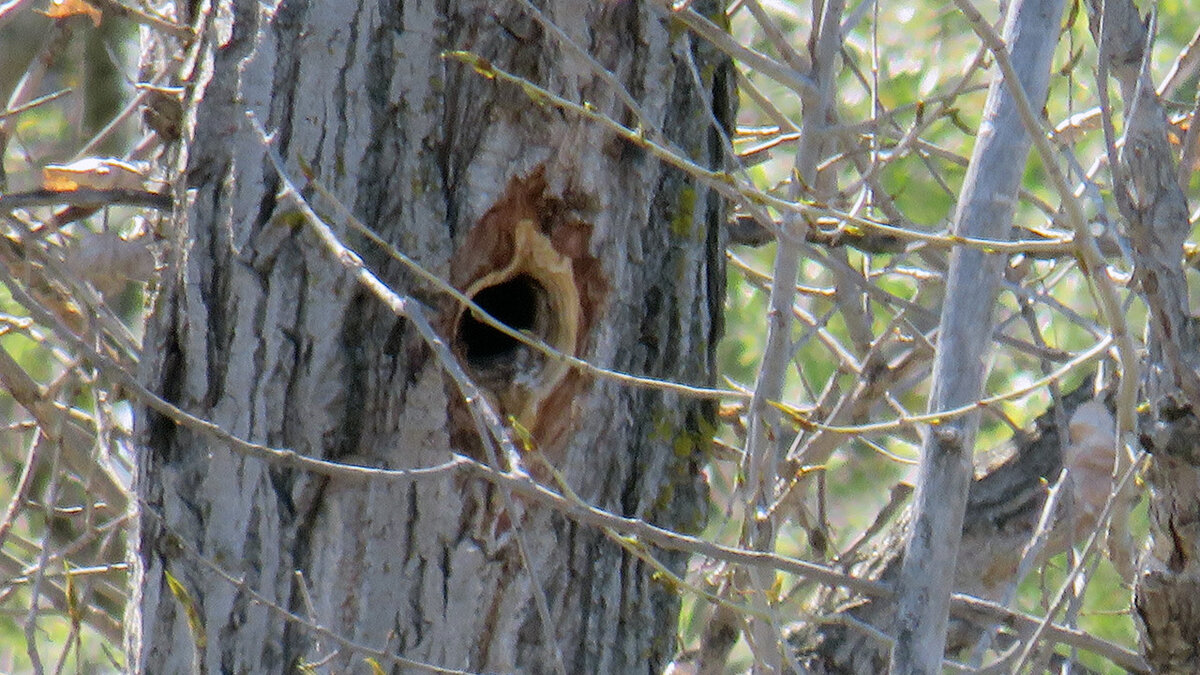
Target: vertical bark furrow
(1166,598)
(277,345)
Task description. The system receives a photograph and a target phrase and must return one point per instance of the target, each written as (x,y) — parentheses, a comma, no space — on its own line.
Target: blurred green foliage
(900,61)
(84,72)
(908,55)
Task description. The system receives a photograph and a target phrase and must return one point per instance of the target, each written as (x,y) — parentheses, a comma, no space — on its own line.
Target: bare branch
(985,209)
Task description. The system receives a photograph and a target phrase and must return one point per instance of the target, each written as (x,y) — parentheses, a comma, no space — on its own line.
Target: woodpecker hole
(527,264)
(519,303)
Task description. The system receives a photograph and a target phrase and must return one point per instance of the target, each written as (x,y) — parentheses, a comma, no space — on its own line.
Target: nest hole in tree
(527,264)
(520,303)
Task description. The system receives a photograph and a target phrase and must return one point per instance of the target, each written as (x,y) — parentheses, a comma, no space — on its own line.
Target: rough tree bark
(1154,208)
(548,220)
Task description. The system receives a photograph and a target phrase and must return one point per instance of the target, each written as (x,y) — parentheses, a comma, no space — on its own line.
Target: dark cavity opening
(514,302)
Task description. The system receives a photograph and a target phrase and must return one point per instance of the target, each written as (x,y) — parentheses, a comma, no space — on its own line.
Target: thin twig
(86,197)
(523,337)
(1085,243)
(381,654)
(489,425)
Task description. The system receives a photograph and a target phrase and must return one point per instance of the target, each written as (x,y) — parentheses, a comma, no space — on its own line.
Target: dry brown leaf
(62,9)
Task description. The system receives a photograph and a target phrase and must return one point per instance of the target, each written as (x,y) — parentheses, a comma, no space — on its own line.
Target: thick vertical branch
(1167,588)
(985,210)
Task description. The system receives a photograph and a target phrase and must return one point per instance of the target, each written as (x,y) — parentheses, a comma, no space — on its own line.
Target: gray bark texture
(589,243)
(1154,208)
(985,210)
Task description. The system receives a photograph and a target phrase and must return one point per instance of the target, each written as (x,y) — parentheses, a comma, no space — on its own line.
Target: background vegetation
(909,93)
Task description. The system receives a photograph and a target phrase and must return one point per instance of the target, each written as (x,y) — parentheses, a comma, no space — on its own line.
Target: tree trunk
(1166,599)
(548,220)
